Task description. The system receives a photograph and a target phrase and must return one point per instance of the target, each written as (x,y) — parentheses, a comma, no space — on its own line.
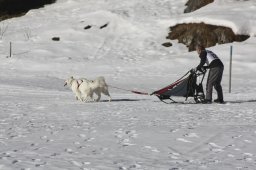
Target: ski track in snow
(51,130)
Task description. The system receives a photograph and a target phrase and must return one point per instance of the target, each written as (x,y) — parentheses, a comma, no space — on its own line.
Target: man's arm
(203,60)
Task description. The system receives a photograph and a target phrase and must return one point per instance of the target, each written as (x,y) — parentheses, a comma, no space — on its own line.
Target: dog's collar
(78,84)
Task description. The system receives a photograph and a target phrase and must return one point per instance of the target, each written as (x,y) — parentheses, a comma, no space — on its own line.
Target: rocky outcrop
(200,33)
(193,5)
(13,8)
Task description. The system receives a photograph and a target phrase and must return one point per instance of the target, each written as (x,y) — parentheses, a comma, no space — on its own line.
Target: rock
(201,33)
(193,5)
(167,44)
(87,27)
(103,26)
(56,38)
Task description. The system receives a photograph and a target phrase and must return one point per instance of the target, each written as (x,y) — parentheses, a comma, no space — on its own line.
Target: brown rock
(200,33)
(193,5)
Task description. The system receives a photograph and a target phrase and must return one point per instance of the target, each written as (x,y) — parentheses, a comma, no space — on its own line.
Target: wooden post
(10,49)
(230,68)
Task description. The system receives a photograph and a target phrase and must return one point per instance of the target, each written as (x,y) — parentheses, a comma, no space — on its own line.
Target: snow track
(50,130)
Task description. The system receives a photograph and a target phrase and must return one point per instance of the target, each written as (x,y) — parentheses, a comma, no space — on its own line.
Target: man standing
(215,73)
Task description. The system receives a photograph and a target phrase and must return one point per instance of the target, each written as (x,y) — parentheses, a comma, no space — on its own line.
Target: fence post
(10,49)
(230,67)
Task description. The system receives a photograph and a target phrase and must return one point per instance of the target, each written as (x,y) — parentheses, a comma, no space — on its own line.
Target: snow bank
(238,15)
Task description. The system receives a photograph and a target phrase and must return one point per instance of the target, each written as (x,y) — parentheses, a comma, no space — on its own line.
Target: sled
(187,86)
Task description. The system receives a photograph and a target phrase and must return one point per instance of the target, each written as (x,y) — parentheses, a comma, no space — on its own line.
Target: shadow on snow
(226,102)
(242,101)
(123,100)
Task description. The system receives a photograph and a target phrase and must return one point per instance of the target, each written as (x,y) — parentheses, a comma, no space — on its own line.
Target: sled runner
(186,86)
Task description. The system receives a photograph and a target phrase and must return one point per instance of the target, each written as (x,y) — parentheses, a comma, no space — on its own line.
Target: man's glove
(203,69)
(193,70)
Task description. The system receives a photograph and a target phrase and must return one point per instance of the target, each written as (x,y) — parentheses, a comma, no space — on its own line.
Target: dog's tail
(101,81)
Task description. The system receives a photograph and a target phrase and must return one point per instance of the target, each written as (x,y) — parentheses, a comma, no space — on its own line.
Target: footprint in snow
(174,130)
(231,155)
(135,166)
(6,155)
(248,156)
(40,164)
(124,137)
(215,147)
(77,143)
(16,161)
(120,133)
(78,164)
(131,133)
(175,155)
(89,139)
(191,135)
(54,154)
(247,141)
(152,149)
(183,140)
(68,150)
(82,135)
(235,137)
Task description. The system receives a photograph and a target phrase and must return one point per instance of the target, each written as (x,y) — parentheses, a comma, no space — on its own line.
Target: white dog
(84,89)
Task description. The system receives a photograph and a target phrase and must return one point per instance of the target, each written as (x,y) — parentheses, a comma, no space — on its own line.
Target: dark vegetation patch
(15,8)
(87,27)
(167,44)
(56,38)
(103,26)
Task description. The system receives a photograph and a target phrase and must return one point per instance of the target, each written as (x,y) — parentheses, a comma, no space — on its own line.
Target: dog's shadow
(136,100)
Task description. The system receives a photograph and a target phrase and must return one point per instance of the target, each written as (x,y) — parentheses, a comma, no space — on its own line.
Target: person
(216,67)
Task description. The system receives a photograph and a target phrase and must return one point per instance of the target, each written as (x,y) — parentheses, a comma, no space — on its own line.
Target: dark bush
(167,44)
(9,8)
(87,27)
(56,38)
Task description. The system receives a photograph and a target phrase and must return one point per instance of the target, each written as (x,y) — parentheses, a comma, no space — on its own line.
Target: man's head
(199,48)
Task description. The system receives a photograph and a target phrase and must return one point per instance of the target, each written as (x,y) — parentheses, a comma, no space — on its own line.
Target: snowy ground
(43,127)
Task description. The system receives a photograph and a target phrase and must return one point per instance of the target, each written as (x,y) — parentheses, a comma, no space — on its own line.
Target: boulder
(201,33)
(193,5)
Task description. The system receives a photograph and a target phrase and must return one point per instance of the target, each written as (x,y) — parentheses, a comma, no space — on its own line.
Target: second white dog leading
(84,89)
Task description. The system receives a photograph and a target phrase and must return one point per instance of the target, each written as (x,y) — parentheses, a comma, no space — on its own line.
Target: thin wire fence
(21,48)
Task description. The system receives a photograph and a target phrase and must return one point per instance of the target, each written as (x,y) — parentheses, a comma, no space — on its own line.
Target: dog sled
(187,86)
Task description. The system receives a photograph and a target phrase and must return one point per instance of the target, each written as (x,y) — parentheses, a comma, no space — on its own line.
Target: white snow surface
(43,127)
